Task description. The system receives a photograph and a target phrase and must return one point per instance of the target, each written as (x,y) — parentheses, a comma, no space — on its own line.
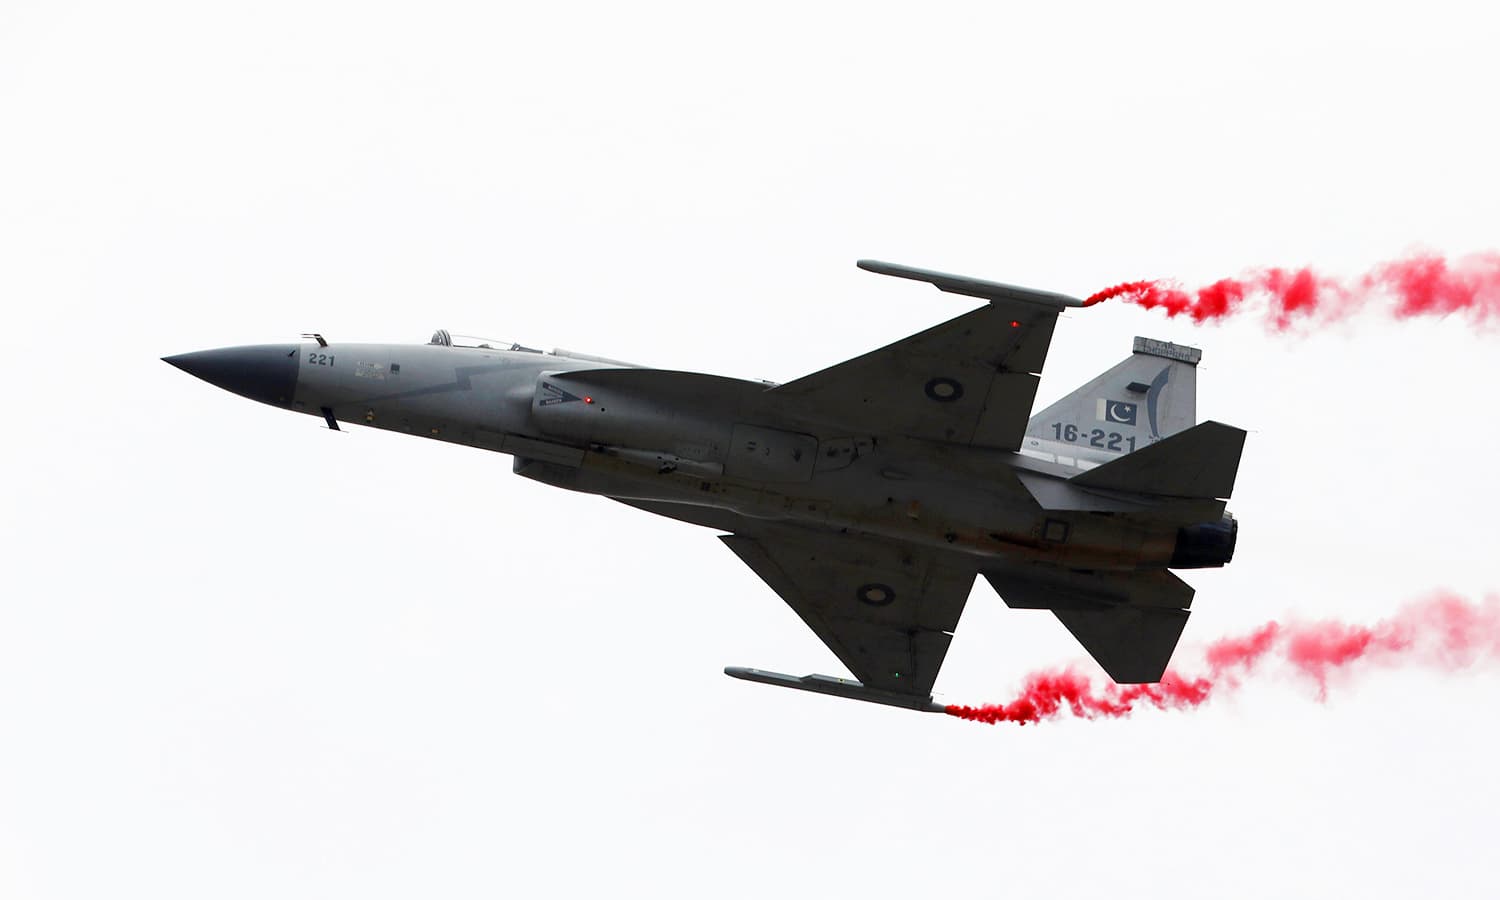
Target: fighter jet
(868,495)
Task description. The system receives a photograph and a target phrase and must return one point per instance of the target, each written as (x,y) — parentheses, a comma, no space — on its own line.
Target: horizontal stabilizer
(1047,587)
(1132,644)
(1062,495)
(836,687)
(1200,462)
(1129,622)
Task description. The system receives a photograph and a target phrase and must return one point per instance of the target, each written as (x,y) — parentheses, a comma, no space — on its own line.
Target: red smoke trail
(1421,285)
(1443,631)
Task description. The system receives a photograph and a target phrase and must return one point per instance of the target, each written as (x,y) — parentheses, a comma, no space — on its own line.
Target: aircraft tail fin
(1150,396)
(1199,463)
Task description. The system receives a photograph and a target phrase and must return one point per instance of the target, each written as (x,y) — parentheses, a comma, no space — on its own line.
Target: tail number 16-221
(1098,437)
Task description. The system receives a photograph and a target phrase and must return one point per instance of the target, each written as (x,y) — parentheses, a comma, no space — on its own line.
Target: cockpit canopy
(443,338)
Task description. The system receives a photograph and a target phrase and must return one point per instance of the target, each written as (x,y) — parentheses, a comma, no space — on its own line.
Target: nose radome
(264,372)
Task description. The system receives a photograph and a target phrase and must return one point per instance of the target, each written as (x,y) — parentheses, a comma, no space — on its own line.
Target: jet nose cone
(264,372)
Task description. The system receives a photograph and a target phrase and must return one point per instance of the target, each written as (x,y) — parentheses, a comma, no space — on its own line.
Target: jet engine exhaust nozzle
(1206,545)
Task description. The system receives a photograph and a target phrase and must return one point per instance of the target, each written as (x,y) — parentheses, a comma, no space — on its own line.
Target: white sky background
(242,656)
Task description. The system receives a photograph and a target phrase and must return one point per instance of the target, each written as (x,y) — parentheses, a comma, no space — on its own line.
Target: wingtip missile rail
(837,687)
(974,287)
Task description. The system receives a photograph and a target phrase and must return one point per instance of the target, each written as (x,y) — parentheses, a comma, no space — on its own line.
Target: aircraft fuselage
(695,446)
(868,495)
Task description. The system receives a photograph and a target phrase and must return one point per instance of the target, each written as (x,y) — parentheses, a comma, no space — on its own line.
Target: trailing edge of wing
(972,287)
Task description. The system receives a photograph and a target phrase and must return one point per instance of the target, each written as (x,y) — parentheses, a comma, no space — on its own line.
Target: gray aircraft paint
(868,495)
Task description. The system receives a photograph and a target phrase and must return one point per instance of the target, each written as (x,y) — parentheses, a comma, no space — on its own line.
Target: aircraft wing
(970,380)
(887,612)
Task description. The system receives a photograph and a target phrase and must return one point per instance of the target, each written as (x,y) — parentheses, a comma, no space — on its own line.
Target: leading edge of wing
(972,287)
